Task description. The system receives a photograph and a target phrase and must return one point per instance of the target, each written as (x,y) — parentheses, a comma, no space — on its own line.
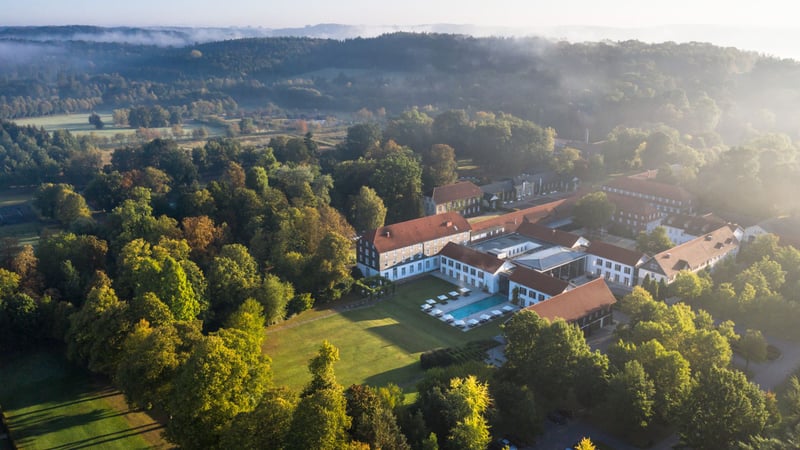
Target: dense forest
(696,88)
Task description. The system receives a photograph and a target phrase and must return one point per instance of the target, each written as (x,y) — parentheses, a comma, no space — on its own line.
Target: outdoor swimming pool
(481,305)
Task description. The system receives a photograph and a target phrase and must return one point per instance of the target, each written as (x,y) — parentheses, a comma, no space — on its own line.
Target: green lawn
(78,124)
(51,404)
(377,344)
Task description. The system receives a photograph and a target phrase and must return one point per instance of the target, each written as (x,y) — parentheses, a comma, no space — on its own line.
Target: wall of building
(527,296)
(469,275)
(611,270)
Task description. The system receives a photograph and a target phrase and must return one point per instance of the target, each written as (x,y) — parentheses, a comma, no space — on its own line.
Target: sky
(511,13)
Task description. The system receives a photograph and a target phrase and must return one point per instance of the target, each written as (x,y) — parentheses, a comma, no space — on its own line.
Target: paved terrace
(474,296)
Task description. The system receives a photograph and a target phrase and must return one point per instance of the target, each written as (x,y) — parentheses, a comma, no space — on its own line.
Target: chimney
(448,223)
(387,233)
(587,136)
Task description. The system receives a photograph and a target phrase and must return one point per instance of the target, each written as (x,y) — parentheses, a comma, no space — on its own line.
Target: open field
(377,344)
(52,404)
(78,124)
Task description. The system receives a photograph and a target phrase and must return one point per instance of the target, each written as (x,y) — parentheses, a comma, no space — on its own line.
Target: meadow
(52,404)
(377,344)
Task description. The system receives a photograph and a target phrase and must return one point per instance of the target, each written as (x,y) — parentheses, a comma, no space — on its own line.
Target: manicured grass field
(51,404)
(377,344)
(78,124)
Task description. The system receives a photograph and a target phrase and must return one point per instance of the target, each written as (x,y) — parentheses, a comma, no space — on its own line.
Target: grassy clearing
(78,124)
(52,404)
(377,344)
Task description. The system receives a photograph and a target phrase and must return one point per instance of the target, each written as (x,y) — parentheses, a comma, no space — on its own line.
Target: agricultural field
(78,124)
(51,404)
(377,344)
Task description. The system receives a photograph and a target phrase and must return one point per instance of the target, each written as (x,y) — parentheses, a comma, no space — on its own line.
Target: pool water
(472,308)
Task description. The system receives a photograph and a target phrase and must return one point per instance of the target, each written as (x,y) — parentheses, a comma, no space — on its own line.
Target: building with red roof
(588,306)
(409,248)
(463,197)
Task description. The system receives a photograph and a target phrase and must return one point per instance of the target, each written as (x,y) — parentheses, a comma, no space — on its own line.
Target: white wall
(616,272)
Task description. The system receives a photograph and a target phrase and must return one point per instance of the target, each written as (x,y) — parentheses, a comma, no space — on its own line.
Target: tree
(367,211)
(150,360)
(593,210)
(320,420)
(61,202)
(397,179)
(631,391)
(263,428)
(411,128)
(688,286)
(373,422)
(95,120)
(585,444)
(360,138)
(225,375)
(274,295)
(753,347)
(723,408)
(655,242)
(468,401)
(439,166)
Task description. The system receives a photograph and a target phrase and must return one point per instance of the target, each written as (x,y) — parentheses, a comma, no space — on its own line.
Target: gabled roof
(498,187)
(549,235)
(457,191)
(694,225)
(786,228)
(403,234)
(633,205)
(614,253)
(576,303)
(651,188)
(510,221)
(538,281)
(474,258)
(695,253)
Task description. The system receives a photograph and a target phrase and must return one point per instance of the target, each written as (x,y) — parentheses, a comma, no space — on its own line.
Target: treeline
(695,88)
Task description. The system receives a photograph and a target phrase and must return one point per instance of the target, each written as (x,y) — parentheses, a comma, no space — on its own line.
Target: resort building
(471,267)
(410,248)
(699,253)
(635,214)
(528,287)
(615,264)
(463,197)
(588,306)
(682,228)
(666,198)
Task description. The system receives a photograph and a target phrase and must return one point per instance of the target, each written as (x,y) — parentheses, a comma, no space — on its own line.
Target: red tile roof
(633,205)
(403,234)
(651,188)
(614,253)
(474,258)
(577,303)
(549,235)
(695,253)
(538,281)
(512,220)
(456,191)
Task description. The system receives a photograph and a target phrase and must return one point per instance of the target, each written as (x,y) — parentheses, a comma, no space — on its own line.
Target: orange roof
(651,188)
(512,220)
(614,253)
(538,281)
(633,205)
(549,235)
(695,253)
(474,258)
(403,234)
(577,303)
(456,191)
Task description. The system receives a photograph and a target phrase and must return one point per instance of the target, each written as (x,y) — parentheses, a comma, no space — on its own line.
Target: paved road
(771,374)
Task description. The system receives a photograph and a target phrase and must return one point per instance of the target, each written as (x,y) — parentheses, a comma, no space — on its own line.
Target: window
(472,271)
(617,267)
(480,275)
(540,297)
(598,262)
(627,271)
(458,266)
(608,264)
(403,272)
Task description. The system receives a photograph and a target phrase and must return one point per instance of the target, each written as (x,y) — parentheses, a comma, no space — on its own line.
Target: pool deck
(475,296)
